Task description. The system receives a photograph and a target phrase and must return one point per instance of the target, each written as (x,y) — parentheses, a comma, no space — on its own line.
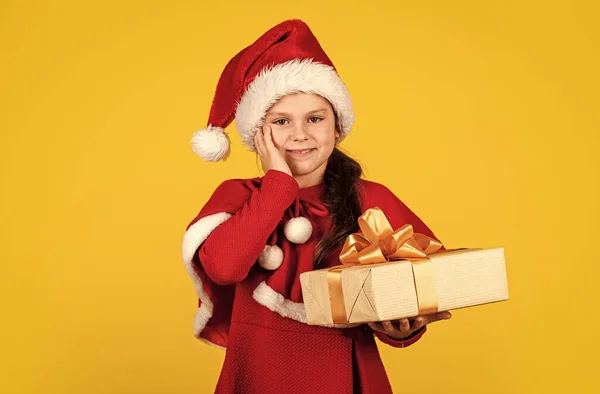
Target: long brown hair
(341,197)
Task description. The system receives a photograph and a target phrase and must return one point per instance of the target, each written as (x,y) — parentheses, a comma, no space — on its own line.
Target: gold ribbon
(377,242)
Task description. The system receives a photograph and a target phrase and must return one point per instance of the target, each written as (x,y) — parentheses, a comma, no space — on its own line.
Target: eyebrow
(286,114)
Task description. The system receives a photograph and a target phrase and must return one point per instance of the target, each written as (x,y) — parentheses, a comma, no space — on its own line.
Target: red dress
(258,314)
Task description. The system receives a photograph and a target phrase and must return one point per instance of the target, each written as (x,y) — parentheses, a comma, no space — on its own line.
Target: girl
(250,242)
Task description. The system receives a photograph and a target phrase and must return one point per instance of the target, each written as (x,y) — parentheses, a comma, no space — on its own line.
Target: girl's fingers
(388,326)
(258,142)
(444,315)
(404,325)
(268,137)
(437,316)
(419,322)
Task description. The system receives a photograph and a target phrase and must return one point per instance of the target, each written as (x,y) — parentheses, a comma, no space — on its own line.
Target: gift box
(388,275)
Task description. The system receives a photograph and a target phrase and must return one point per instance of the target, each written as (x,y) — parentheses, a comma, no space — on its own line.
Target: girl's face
(304,132)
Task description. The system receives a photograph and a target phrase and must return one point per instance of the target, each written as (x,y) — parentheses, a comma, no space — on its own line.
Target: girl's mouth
(301,152)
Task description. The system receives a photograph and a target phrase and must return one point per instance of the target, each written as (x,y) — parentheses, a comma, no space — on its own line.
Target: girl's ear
(337,127)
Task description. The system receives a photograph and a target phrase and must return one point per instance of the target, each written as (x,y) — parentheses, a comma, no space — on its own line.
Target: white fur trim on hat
(298,230)
(294,76)
(271,257)
(192,239)
(211,143)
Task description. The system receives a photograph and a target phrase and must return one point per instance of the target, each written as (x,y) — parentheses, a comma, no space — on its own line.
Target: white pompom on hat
(211,143)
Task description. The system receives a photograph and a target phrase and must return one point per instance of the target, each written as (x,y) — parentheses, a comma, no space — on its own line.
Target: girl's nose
(300,133)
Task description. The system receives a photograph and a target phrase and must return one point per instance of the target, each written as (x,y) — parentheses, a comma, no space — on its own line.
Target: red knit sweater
(258,314)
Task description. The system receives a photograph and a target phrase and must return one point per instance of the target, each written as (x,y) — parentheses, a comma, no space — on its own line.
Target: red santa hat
(286,59)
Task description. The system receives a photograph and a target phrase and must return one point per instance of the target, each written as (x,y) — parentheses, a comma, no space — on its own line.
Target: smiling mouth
(301,151)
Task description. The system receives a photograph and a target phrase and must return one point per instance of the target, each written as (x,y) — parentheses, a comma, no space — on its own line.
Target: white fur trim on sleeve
(192,239)
(266,296)
(298,75)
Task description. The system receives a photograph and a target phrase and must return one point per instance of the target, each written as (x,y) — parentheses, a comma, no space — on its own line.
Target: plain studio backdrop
(482,117)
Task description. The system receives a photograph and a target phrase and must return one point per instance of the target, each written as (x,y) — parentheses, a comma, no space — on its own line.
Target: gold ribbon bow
(377,243)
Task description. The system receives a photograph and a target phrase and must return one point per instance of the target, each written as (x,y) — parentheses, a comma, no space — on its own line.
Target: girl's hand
(270,157)
(403,328)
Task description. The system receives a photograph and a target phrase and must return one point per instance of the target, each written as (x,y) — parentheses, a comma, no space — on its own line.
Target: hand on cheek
(270,156)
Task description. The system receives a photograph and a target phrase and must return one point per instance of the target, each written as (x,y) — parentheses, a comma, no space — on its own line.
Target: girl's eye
(315,119)
(280,122)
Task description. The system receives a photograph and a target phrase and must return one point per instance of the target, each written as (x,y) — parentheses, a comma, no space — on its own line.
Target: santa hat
(286,59)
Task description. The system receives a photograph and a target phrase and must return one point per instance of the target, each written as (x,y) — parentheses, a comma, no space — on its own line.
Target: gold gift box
(389,274)
(388,291)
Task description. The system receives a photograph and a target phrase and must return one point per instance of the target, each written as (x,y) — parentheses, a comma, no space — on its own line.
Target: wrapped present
(388,275)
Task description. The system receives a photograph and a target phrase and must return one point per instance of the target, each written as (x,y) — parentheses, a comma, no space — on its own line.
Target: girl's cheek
(278,140)
(276,134)
(325,130)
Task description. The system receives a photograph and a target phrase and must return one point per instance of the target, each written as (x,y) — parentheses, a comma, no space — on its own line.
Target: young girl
(250,242)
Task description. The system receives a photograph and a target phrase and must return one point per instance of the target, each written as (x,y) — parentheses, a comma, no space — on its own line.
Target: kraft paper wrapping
(386,291)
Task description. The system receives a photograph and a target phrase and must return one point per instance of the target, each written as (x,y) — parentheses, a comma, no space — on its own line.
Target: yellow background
(494,107)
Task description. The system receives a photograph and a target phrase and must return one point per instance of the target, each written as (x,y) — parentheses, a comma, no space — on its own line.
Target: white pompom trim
(271,257)
(298,230)
(211,143)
